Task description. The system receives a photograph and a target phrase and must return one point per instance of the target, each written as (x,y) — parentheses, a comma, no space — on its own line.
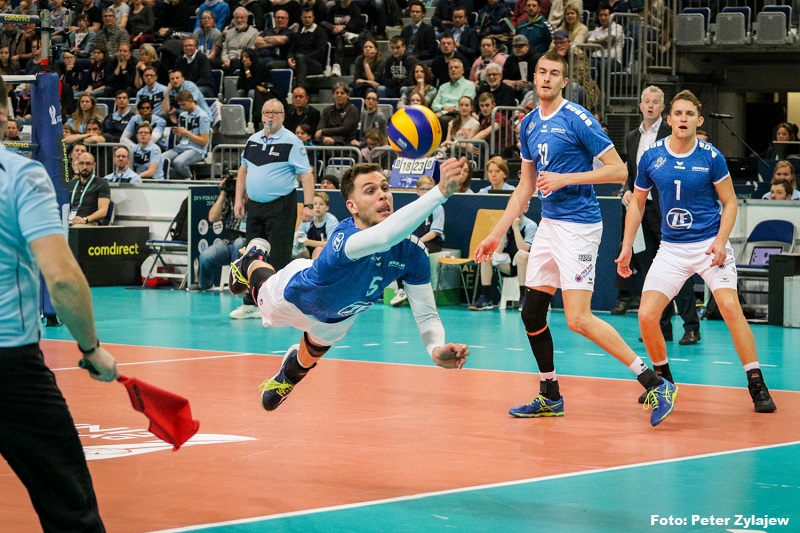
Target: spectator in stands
(34,65)
(23,105)
(292,8)
(300,112)
(511,259)
(320,9)
(218,8)
(537,29)
(494,19)
(305,134)
(174,18)
(618,6)
(489,54)
(93,14)
(493,124)
(89,195)
(555,14)
(151,90)
(416,99)
(121,12)
(783,172)
(376,138)
(573,23)
(430,233)
(70,75)
(467,39)
(141,25)
(191,137)
(497,174)
(420,38)
(273,43)
(445,105)
(12,131)
(464,126)
(94,79)
(209,39)
(784,132)
(87,109)
(781,190)
(59,18)
(320,227)
(93,135)
(257,9)
(75,151)
(330,182)
(196,68)
(111,35)
(702,135)
(371,118)
(146,154)
(582,88)
(238,38)
(377,12)
(447,51)
(81,42)
(148,57)
(24,51)
(421,78)
(345,26)
(122,172)
(519,68)
(115,123)
(368,69)
(338,124)
(121,72)
(225,249)
(146,114)
(252,75)
(442,19)
(503,93)
(8,66)
(308,51)
(169,105)
(466,179)
(610,36)
(396,69)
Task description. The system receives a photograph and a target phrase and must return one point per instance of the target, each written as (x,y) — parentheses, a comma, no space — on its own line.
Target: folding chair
(485,221)
(166,247)
(768,237)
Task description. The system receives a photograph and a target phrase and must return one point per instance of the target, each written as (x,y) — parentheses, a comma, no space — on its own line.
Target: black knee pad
(534,310)
(257,278)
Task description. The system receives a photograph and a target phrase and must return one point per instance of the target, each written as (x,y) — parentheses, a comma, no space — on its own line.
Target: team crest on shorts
(583,275)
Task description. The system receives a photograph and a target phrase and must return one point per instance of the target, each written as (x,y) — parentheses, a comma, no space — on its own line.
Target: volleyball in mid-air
(414,132)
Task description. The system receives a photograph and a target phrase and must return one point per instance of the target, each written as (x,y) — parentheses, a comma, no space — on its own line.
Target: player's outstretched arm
(423,305)
(450,175)
(450,355)
(633,219)
(72,300)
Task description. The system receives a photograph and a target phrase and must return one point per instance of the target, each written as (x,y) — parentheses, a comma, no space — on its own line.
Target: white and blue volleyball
(414,132)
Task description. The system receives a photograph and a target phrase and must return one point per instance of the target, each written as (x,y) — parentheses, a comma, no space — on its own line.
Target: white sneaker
(336,70)
(246,311)
(350,37)
(327,72)
(399,298)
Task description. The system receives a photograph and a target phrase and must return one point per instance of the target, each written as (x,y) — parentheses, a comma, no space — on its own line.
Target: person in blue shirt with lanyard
(191,137)
(273,162)
(38,438)
(691,176)
(366,252)
(122,172)
(558,141)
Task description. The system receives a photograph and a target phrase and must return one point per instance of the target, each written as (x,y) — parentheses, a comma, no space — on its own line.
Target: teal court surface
(379,439)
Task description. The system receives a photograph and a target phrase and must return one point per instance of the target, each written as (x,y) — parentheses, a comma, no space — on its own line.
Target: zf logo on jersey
(679,218)
(585,274)
(338,239)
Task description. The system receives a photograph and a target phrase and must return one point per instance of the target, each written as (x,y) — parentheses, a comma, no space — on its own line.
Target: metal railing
(319,156)
(104,156)
(584,88)
(225,157)
(503,135)
(385,156)
(474,150)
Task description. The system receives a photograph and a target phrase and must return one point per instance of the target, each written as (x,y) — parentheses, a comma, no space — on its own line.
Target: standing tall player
(559,140)
(690,176)
(365,253)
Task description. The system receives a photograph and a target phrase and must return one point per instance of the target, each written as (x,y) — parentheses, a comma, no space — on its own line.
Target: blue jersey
(686,193)
(29,212)
(336,287)
(564,142)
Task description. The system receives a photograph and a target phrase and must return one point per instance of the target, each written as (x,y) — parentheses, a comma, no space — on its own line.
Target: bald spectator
(238,37)
(445,105)
(89,195)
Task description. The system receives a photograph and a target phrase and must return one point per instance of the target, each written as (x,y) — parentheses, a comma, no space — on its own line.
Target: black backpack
(180,229)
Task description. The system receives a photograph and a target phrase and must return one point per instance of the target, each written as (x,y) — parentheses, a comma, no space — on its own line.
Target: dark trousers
(304,67)
(39,440)
(274,221)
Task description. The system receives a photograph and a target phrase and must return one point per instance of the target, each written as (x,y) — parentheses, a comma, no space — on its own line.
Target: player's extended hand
(548,182)
(626,198)
(624,262)
(485,249)
(100,364)
(450,355)
(307,215)
(719,251)
(450,175)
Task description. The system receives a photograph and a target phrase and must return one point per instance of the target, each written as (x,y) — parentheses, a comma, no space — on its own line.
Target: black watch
(310,206)
(90,351)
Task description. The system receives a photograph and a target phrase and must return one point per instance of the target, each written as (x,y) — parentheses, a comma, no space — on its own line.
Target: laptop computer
(760,255)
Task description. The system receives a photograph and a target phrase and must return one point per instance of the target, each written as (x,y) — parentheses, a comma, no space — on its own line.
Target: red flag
(170,415)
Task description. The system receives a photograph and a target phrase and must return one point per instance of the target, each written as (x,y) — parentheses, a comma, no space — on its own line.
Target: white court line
(722,362)
(372,344)
(516,349)
(401,342)
(770,366)
(595,354)
(676,359)
(168,360)
(474,488)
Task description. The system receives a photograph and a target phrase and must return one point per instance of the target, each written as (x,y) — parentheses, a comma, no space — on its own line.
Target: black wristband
(90,351)
(310,206)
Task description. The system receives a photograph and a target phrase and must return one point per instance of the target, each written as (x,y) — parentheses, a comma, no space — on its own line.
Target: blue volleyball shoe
(661,399)
(256,250)
(275,390)
(540,406)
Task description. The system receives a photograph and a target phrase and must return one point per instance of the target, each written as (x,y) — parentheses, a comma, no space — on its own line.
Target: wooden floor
(378,439)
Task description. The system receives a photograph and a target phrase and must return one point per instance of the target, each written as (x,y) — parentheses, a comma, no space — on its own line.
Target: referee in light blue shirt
(37,434)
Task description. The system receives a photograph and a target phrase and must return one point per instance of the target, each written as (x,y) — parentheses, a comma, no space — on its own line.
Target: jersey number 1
(677,189)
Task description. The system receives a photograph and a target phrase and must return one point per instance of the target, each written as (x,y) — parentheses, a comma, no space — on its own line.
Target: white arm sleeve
(423,305)
(394,229)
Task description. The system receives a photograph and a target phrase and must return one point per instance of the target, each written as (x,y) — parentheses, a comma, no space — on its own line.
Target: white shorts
(277,312)
(676,262)
(564,254)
